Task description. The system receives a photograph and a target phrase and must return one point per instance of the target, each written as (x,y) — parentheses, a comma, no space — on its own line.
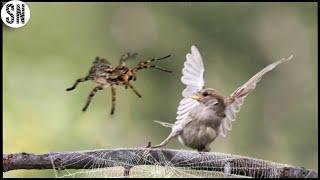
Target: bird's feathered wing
(235,100)
(192,77)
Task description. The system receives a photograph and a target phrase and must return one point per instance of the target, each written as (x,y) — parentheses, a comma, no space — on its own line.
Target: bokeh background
(278,121)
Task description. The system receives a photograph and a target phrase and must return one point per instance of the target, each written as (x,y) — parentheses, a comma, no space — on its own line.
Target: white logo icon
(15,14)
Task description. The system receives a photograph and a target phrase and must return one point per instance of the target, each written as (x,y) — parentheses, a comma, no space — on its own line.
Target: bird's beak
(195,96)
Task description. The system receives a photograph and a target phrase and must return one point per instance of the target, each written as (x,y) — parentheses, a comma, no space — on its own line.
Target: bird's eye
(205,93)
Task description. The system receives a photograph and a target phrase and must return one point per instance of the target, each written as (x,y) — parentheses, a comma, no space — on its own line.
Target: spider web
(101,164)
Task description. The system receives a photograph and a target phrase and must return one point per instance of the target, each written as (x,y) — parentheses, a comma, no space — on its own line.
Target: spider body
(105,75)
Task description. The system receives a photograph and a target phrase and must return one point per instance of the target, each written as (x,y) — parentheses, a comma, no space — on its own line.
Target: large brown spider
(105,75)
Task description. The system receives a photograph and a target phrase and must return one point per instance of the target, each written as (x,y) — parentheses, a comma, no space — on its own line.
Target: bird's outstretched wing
(192,77)
(235,100)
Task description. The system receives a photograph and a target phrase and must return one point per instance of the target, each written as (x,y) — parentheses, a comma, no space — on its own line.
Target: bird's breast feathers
(204,114)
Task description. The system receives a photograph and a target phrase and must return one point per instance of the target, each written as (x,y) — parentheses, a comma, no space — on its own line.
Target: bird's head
(207,96)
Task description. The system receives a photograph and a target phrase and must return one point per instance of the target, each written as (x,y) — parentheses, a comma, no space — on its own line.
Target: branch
(209,161)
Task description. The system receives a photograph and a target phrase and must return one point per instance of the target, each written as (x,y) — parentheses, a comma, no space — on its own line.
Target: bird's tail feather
(165,124)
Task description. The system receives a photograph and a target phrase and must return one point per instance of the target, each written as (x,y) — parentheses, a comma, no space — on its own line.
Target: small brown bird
(203,114)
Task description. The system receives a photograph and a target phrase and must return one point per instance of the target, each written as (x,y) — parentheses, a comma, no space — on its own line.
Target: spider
(105,75)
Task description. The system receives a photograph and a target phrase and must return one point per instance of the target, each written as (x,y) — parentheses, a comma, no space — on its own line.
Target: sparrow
(204,114)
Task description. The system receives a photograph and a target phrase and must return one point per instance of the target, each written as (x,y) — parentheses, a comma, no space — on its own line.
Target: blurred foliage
(278,121)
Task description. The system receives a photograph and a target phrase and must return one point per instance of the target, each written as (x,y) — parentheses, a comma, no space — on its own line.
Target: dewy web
(103,164)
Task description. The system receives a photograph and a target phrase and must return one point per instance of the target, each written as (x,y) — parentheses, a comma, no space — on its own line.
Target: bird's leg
(113,93)
(124,57)
(77,82)
(133,89)
(148,145)
(163,143)
(167,140)
(207,149)
(202,150)
(92,93)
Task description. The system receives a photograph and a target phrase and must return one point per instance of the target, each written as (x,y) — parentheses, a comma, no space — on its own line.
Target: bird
(204,114)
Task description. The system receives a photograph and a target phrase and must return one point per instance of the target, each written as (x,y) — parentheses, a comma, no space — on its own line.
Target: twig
(209,161)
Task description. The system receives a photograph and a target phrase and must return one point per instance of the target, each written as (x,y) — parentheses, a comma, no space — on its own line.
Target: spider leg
(159,68)
(133,89)
(147,64)
(92,93)
(113,93)
(165,57)
(126,56)
(77,82)
(156,59)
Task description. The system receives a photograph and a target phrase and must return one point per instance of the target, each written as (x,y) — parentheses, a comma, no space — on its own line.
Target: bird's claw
(147,150)
(148,145)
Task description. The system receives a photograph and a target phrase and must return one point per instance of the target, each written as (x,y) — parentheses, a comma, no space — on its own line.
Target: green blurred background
(278,121)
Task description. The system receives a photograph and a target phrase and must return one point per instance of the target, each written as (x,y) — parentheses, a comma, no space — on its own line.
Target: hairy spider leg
(113,93)
(146,64)
(77,82)
(92,93)
(133,89)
